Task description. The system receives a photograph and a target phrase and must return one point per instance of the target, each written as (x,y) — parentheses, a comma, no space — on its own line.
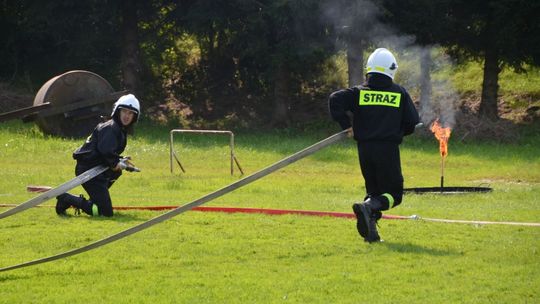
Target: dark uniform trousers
(98,188)
(381,168)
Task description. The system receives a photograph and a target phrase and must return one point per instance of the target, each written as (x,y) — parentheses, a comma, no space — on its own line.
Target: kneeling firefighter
(103,147)
(382,113)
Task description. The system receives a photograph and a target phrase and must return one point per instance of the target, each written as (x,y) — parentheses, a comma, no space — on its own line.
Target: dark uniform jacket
(382,110)
(104,146)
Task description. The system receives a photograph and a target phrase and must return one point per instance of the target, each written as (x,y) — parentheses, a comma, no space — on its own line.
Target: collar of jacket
(376,80)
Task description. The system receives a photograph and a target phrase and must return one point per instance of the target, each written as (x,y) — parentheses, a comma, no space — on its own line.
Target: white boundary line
(478,222)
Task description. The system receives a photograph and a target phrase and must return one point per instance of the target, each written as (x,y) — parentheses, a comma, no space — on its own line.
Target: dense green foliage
(256,63)
(41,40)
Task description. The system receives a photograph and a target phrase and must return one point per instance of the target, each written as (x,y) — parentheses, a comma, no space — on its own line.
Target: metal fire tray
(446,190)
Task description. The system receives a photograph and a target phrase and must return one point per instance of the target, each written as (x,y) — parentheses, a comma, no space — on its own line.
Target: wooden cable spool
(77,100)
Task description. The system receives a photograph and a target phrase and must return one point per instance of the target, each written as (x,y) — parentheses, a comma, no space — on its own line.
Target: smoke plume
(420,67)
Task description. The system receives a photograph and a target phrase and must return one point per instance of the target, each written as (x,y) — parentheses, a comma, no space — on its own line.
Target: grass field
(250,258)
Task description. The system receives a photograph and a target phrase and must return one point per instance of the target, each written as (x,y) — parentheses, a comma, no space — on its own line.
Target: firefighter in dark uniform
(103,147)
(382,113)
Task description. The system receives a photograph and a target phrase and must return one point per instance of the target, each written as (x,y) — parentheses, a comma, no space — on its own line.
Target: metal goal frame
(172,154)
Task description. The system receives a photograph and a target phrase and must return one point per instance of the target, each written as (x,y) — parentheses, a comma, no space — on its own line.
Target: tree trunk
(355,62)
(426,109)
(490,85)
(131,66)
(280,117)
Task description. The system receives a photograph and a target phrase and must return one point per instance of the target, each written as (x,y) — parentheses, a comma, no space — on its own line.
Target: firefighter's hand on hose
(350,132)
(126,164)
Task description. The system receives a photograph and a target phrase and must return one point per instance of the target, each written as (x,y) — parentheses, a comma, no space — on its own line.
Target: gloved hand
(350,132)
(122,164)
(125,164)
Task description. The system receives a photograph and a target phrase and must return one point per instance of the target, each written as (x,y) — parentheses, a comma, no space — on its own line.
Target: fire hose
(195,205)
(49,192)
(174,212)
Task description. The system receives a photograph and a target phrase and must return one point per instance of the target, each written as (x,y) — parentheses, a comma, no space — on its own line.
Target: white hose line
(474,222)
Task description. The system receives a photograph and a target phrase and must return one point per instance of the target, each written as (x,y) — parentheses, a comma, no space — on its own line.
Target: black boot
(361,222)
(370,210)
(62,203)
(66,200)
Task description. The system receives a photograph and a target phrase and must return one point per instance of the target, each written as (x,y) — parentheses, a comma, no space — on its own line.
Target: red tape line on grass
(281,212)
(245,210)
(307,213)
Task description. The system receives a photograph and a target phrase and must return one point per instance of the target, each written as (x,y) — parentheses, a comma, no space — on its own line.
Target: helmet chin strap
(129,102)
(118,115)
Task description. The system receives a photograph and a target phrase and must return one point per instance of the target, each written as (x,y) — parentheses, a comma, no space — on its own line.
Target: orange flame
(442,135)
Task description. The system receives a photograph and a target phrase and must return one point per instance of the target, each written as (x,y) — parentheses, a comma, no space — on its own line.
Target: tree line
(262,62)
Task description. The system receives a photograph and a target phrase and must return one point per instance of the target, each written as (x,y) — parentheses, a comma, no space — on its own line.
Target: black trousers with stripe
(98,188)
(381,168)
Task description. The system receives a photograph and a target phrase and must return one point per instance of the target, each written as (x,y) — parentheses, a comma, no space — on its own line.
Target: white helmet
(383,62)
(129,102)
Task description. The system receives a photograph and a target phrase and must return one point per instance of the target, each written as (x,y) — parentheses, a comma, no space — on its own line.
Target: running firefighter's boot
(371,213)
(361,222)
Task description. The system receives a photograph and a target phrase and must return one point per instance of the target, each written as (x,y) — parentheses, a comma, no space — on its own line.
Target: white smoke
(355,18)
(442,103)
(359,19)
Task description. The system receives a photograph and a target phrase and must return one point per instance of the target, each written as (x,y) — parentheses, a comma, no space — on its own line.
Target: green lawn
(246,258)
